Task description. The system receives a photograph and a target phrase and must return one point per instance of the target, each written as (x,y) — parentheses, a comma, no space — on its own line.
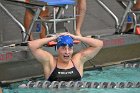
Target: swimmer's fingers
(60,34)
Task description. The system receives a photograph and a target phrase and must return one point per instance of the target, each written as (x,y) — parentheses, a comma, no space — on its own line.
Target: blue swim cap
(64,40)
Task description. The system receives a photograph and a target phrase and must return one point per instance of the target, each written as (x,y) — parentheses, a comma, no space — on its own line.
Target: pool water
(108,74)
(113,74)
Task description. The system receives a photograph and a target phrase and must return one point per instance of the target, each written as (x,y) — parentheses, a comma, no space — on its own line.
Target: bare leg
(81,9)
(44,14)
(28,18)
(27,21)
(137,5)
(128,27)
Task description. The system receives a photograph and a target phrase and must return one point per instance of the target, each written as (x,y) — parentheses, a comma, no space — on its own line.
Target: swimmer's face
(65,53)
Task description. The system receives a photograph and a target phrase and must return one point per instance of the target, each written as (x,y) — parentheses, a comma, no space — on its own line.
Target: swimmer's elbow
(31,46)
(100,44)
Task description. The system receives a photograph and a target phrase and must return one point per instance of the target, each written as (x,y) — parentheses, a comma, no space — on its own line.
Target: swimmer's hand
(67,33)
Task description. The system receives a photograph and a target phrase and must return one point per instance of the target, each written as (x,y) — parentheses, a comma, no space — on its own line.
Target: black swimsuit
(71,74)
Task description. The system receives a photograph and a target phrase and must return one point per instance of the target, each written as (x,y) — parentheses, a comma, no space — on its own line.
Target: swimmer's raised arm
(94,47)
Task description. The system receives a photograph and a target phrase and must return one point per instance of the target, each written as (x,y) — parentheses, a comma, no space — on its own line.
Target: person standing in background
(81,9)
(129,24)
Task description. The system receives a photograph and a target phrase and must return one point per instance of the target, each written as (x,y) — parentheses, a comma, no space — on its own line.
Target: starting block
(56,17)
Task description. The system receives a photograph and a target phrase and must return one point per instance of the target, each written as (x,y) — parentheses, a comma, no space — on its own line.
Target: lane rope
(132,65)
(79,84)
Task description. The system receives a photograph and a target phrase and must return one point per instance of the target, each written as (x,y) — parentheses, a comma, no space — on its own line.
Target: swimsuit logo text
(64,73)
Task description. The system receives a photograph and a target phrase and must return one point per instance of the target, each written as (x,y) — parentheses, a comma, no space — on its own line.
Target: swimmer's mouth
(66,56)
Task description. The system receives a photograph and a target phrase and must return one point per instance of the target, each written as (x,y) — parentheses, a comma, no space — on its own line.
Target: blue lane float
(79,84)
